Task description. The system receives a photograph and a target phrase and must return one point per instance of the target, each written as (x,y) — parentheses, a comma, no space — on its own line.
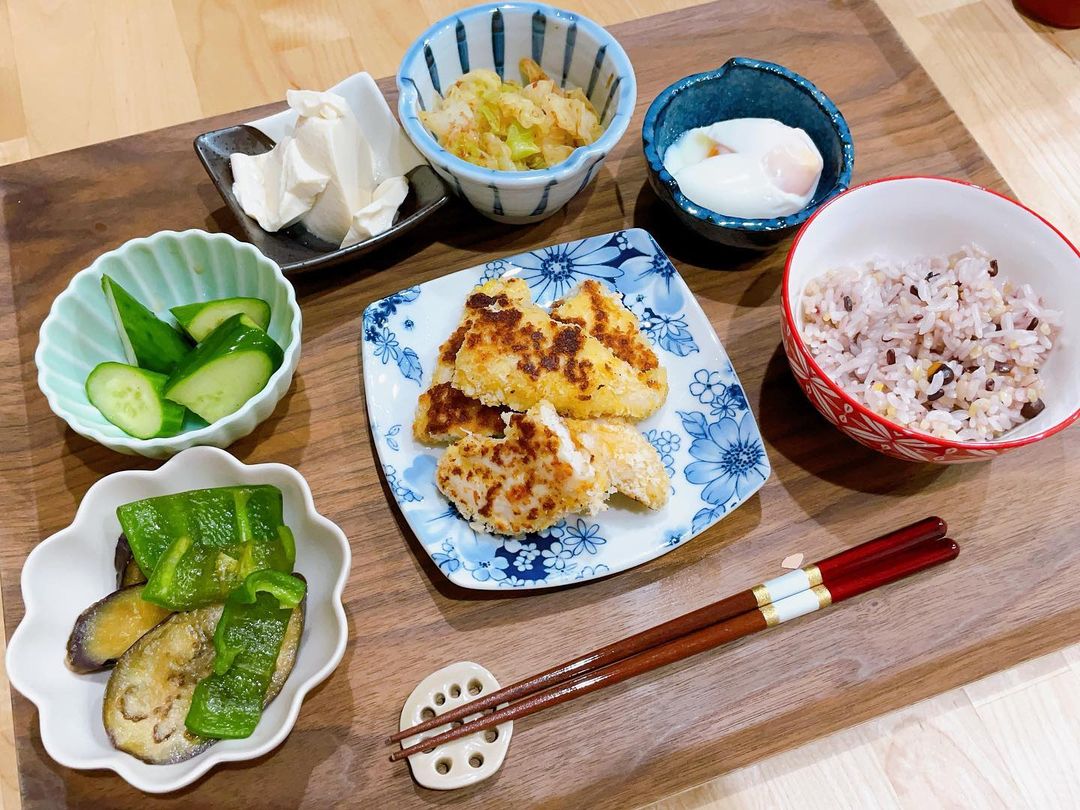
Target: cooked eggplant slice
(104,631)
(127,570)
(132,574)
(149,691)
(121,555)
(287,656)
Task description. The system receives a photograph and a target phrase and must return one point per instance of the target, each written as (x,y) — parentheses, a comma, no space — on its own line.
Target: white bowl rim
(796,333)
(120,762)
(433,151)
(199,434)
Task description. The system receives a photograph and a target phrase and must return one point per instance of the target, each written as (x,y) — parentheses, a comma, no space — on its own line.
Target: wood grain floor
(73,73)
(1009,741)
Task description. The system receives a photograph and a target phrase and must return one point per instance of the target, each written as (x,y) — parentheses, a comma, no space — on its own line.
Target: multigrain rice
(946,345)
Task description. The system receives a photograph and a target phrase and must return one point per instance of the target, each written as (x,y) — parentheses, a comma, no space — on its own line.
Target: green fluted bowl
(163,271)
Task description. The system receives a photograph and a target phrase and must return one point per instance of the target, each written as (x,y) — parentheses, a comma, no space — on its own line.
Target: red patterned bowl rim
(796,335)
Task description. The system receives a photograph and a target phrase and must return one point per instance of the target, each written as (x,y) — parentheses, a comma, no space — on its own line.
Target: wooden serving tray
(1014,593)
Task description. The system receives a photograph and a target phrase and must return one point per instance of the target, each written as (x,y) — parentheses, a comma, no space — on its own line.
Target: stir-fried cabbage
(511,126)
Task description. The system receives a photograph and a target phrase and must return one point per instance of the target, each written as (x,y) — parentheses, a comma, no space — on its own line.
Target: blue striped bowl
(571,48)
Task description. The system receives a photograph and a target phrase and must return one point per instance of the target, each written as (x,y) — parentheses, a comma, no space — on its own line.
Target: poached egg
(754,168)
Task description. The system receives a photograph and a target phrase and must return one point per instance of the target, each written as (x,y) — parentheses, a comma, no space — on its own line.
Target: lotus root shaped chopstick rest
(461,762)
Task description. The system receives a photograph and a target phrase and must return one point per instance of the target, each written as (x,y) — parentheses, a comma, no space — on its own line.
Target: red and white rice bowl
(900,225)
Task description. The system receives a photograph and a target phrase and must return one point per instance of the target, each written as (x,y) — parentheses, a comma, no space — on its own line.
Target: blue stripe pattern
(570,49)
(568,54)
(610,95)
(498,42)
(462,46)
(597,64)
(542,205)
(419,98)
(539,27)
(433,71)
(588,175)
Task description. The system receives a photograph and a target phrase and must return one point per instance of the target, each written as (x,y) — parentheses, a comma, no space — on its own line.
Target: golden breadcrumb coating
(599,310)
(516,355)
(585,360)
(547,467)
(524,482)
(625,458)
(444,414)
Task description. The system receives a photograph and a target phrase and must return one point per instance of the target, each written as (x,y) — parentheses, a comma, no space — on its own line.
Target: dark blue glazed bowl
(746,88)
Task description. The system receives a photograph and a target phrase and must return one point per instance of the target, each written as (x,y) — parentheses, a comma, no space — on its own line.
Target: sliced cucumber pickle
(149,342)
(228,368)
(199,320)
(134,400)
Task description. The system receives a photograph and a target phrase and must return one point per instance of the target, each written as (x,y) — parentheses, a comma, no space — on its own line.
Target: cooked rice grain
(945,345)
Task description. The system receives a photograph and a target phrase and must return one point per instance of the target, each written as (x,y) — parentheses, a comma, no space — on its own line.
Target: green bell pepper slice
(197,546)
(222,517)
(229,703)
(191,575)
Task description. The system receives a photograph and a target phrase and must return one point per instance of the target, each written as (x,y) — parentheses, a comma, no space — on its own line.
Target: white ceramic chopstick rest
(461,762)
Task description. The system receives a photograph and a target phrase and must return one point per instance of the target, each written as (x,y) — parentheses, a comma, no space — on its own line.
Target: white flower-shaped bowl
(162,271)
(74,568)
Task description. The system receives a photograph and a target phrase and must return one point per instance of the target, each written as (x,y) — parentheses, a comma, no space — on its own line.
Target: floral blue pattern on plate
(705,432)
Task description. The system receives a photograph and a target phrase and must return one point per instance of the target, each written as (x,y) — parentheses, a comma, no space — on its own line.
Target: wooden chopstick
(844,584)
(850,583)
(761,594)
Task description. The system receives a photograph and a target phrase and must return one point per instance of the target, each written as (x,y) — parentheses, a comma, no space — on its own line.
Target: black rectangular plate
(295,249)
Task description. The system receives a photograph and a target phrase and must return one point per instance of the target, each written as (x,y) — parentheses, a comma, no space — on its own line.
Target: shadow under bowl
(746,88)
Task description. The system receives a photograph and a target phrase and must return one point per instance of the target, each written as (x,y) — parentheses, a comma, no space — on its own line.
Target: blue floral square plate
(705,432)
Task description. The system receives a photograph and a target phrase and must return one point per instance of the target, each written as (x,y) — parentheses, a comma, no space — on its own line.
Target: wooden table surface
(1014,84)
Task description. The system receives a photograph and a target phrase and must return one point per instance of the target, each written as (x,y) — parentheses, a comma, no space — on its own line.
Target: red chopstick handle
(892,567)
(831,568)
(921,530)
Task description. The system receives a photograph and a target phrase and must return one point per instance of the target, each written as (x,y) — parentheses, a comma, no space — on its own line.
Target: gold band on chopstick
(795,605)
(800,579)
(761,595)
(824,598)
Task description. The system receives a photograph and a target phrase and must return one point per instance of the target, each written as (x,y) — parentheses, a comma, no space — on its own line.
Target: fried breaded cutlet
(445,414)
(599,310)
(516,355)
(524,482)
(547,467)
(625,458)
